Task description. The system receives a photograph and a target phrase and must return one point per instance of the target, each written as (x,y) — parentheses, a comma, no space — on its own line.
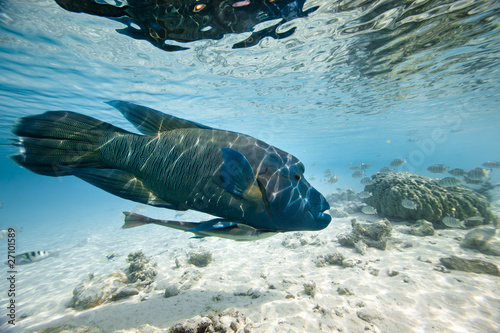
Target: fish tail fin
(53,142)
(133,220)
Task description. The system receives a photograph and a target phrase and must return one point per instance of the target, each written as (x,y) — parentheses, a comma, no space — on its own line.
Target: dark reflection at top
(188,20)
(392,32)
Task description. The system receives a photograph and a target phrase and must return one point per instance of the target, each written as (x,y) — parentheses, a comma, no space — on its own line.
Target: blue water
(359,81)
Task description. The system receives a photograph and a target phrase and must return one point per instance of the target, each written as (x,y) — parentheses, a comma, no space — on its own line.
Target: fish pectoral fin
(120,183)
(212,225)
(238,177)
(151,122)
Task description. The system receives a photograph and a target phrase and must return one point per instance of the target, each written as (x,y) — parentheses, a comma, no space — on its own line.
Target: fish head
(292,202)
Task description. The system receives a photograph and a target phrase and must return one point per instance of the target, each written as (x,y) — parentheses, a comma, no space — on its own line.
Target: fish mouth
(317,213)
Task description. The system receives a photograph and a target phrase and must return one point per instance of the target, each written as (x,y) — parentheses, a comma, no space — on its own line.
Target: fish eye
(199,7)
(297,176)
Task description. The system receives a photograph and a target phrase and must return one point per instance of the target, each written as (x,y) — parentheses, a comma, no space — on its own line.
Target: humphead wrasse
(254,188)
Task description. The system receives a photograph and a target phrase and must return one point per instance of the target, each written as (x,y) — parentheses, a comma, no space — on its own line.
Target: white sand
(417,299)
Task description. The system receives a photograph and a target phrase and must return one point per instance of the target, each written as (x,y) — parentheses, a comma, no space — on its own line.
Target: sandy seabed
(278,284)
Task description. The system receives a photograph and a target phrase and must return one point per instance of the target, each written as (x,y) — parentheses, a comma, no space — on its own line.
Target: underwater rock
(200,259)
(360,247)
(369,315)
(189,278)
(345,291)
(229,320)
(310,288)
(94,291)
(140,269)
(298,239)
(375,234)
(433,201)
(245,291)
(470,265)
(171,291)
(124,292)
(485,240)
(392,272)
(329,259)
(422,228)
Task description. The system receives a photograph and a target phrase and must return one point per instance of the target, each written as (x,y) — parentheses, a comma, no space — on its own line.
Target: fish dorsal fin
(151,122)
(238,177)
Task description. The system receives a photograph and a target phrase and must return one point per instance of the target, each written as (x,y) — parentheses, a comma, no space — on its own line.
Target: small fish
(398,162)
(492,164)
(477,218)
(473,181)
(362,166)
(365,194)
(365,166)
(328,172)
(386,170)
(358,174)
(354,167)
(312,178)
(367,181)
(438,168)
(458,172)
(453,222)
(408,204)
(478,174)
(369,210)
(30,257)
(217,228)
(449,181)
(333,179)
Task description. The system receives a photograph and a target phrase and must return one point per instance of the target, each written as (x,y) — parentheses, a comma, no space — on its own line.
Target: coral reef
(373,234)
(433,201)
(94,291)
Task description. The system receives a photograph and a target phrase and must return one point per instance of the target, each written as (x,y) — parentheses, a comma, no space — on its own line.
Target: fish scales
(179,170)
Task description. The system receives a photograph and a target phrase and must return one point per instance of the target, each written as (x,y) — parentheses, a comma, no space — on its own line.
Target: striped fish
(453,222)
(30,257)
(177,164)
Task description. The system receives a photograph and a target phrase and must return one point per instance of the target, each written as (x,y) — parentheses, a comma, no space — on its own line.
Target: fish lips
(322,219)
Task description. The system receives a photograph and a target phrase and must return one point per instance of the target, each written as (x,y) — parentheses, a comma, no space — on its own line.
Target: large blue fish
(177,164)
(188,20)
